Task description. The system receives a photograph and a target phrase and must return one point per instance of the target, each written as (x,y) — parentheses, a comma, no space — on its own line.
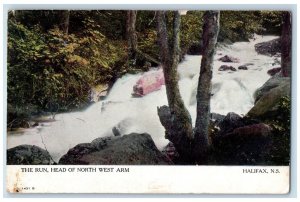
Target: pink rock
(149,82)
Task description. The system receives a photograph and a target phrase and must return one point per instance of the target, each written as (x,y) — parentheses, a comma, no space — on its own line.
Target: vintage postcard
(149,101)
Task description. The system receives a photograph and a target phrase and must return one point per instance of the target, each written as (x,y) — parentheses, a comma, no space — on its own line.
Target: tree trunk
(131,35)
(65,21)
(286,44)
(175,118)
(209,37)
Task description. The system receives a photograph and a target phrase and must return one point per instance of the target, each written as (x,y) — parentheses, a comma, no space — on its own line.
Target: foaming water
(232,92)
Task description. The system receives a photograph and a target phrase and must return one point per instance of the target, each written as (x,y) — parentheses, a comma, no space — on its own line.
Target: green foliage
(191,29)
(280,122)
(54,72)
(271,22)
(239,25)
(24,48)
(149,45)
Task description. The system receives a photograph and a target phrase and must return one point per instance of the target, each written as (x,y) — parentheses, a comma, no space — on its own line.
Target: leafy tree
(53,71)
(239,25)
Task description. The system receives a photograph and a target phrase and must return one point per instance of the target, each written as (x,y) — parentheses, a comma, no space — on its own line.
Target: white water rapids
(233,92)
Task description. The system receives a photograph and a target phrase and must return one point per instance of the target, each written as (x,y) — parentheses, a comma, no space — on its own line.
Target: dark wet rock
(243,67)
(132,149)
(74,154)
(227,58)
(28,155)
(269,48)
(274,71)
(229,123)
(226,68)
(247,145)
(35,124)
(116,131)
(216,118)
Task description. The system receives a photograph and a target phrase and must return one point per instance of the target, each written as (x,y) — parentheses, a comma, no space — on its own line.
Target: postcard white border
(149,179)
(251,6)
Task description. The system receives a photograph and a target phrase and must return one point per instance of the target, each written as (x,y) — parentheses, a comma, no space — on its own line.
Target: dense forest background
(55,57)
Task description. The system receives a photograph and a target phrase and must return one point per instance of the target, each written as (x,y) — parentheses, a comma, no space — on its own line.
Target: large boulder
(273,82)
(28,155)
(267,97)
(132,149)
(247,145)
(216,118)
(149,82)
(269,48)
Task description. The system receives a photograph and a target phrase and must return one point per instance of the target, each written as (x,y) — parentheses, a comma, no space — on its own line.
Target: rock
(247,145)
(74,154)
(273,82)
(227,67)
(227,58)
(229,123)
(267,97)
(116,131)
(35,124)
(28,155)
(99,92)
(269,48)
(149,82)
(217,118)
(274,71)
(243,67)
(132,149)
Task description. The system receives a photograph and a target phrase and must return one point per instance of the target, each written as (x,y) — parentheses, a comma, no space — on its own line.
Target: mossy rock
(268,97)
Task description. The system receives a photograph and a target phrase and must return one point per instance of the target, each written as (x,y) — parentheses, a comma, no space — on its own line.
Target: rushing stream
(232,92)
